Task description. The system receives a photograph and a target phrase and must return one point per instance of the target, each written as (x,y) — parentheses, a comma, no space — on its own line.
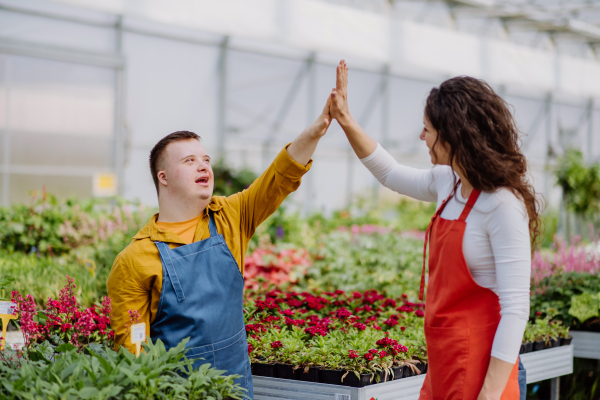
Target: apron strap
(470,203)
(163,249)
(427,233)
(212,228)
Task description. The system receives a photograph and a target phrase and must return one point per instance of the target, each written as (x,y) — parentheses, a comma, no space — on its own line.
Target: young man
(183,272)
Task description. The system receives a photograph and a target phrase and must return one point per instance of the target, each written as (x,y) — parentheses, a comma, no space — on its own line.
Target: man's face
(187,170)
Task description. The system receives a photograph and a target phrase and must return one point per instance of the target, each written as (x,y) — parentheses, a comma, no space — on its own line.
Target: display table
(586,344)
(540,365)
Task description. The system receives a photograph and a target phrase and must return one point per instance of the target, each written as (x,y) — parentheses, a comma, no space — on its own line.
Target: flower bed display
(353,339)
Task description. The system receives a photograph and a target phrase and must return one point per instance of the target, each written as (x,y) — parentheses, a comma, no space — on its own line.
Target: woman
(479,238)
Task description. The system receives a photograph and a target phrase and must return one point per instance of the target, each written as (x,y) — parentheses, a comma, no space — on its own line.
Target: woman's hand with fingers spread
(339,96)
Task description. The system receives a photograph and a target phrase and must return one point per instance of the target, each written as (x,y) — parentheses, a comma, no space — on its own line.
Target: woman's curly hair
(483,140)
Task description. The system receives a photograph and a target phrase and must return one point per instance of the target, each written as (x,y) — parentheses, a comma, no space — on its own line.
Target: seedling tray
(540,365)
(586,344)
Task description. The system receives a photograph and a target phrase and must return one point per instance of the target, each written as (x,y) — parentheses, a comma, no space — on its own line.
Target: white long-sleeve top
(496,243)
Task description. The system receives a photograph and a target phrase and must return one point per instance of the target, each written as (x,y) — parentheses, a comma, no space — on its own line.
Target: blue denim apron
(202,298)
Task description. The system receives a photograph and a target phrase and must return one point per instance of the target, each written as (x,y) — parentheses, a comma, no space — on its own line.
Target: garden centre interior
(87,87)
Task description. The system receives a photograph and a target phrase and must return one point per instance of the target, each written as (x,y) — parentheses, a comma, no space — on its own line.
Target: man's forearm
(303,147)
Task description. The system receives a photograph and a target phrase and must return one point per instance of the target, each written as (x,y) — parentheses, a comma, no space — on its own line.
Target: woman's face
(441,155)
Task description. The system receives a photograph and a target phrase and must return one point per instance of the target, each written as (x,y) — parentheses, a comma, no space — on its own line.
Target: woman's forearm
(362,144)
(496,379)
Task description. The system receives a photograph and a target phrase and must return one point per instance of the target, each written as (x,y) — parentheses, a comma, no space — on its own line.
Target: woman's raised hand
(339,96)
(362,144)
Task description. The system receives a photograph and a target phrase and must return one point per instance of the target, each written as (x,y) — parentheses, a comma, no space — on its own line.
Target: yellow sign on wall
(105,184)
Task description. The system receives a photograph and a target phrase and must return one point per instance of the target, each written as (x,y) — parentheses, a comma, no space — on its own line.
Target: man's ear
(162,177)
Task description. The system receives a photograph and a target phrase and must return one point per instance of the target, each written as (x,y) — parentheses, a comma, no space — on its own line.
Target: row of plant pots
(544,344)
(337,377)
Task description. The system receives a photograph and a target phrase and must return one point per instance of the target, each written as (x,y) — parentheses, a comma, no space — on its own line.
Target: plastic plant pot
(566,341)
(383,377)
(528,347)
(286,371)
(313,374)
(539,345)
(522,349)
(332,376)
(422,367)
(352,380)
(407,371)
(552,343)
(397,372)
(260,369)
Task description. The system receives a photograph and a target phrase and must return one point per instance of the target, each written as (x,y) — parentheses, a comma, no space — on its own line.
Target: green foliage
(386,262)
(43,276)
(585,306)
(47,226)
(229,181)
(4,282)
(98,372)
(580,183)
(554,295)
(549,228)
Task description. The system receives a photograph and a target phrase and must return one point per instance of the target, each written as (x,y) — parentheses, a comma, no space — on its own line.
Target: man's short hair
(157,153)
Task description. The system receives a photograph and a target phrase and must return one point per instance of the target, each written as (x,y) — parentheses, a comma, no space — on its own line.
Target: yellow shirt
(135,280)
(185,230)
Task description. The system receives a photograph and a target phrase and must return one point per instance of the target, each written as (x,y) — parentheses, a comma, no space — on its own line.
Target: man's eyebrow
(192,155)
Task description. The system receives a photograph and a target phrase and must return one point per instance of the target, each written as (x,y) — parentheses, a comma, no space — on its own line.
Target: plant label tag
(7,308)
(138,332)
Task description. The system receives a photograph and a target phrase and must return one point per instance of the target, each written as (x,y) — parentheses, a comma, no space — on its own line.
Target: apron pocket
(448,351)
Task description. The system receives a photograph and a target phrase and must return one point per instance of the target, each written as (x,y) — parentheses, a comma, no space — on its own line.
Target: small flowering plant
(64,320)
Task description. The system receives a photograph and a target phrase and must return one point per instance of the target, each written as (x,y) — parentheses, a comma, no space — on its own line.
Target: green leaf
(65,347)
(584,306)
(88,393)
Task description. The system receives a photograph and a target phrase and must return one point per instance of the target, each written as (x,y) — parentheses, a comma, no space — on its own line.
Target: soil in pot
(566,341)
(539,345)
(312,375)
(332,376)
(286,371)
(260,369)
(352,380)
(552,343)
(397,372)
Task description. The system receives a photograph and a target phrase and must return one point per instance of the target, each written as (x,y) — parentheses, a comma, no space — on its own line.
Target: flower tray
(586,344)
(542,345)
(334,377)
(540,365)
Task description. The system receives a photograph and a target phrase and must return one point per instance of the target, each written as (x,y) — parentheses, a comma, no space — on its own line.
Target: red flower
(382,354)
(250,348)
(352,354)
(343,313)
(360,326)
(419,313)
(368,356)
(276,344)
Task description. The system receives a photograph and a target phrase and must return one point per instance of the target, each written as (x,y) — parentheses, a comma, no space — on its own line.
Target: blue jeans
(522,381)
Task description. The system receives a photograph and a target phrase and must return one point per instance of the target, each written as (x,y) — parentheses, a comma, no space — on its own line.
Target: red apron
(461,317)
